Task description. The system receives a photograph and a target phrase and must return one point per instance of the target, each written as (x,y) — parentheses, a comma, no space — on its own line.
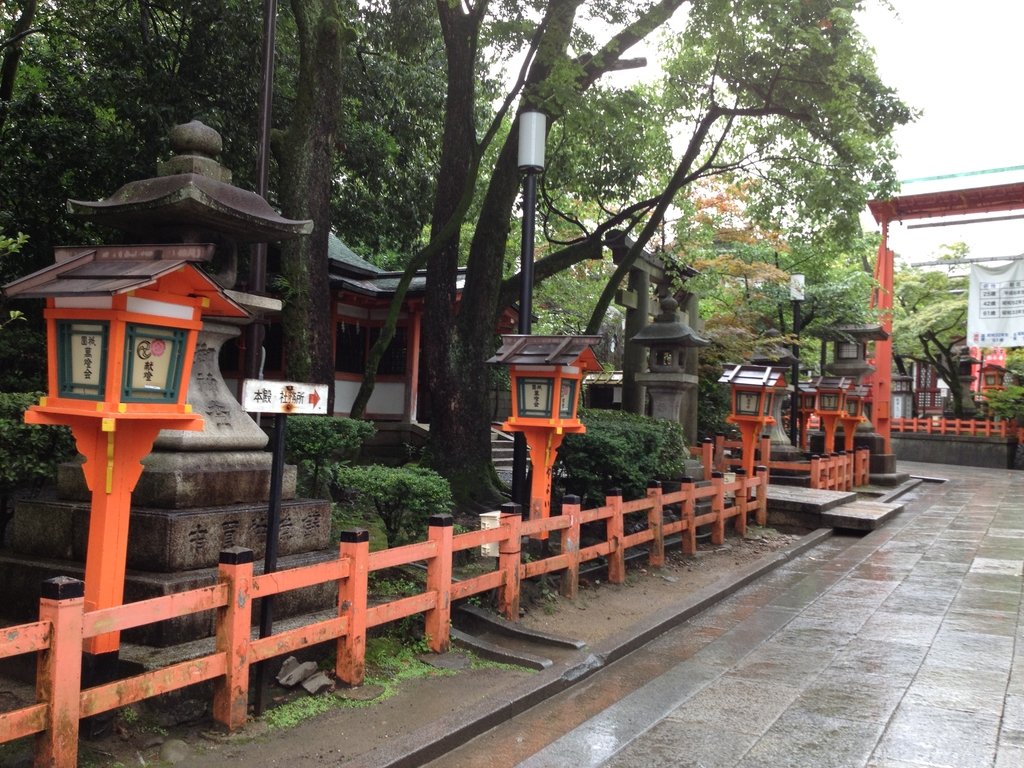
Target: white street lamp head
(796,287)
(532,135)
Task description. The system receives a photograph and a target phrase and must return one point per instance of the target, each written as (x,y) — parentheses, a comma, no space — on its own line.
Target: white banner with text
(995,305)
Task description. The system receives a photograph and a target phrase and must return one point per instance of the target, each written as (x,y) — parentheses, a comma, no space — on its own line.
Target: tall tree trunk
(307,175)
(455,374)
(12,55)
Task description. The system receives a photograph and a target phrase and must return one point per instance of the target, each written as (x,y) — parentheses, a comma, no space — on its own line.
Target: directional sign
(289,397)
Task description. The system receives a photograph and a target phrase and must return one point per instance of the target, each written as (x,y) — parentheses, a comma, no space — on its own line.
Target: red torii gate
(991,199)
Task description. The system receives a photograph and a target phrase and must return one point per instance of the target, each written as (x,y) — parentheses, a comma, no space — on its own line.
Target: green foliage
(314,443)
(29,453)
(1007,403)
(619,450)
(930,320)
(403,497)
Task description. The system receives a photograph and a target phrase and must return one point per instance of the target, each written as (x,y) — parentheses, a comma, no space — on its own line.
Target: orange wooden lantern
(752,389)
(121,326)
(853,414)
(808,397)
(831,405)
(547,373)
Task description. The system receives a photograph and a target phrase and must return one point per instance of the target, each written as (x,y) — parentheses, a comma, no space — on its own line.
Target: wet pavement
(895,650)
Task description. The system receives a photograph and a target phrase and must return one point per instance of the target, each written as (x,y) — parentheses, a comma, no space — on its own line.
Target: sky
(958,63)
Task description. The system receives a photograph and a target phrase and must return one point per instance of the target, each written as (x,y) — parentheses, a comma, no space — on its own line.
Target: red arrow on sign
(314,398)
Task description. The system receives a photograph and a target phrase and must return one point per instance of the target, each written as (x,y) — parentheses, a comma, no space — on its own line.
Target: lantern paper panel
(82,358)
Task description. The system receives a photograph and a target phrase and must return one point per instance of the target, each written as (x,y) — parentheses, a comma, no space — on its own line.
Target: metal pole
(520,489)
(273,534)
(794,414)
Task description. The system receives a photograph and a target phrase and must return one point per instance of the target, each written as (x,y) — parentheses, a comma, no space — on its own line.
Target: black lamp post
(796,294)
(532,134)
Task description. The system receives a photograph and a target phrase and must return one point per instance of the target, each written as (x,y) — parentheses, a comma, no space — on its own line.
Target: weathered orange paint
(155,609)
(509,555)
(571,548)
(231,691)
(400,609)
(25,638)
(350,665)
(59,682)
(109,696)
(293,640)
(617,553)
(268,584)
(439,581)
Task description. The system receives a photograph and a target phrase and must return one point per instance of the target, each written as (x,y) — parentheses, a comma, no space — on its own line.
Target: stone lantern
(199,490)
(668,337)
(966,367)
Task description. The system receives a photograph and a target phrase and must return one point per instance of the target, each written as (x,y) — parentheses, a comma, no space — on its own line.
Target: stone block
(162,540)
(183,480)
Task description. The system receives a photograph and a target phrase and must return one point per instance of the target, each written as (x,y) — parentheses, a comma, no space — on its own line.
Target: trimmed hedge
(403,497)
(316,443)
(619,450)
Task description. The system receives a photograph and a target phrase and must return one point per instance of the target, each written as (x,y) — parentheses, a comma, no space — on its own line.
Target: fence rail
(58,637)
(935,425)
(833,472)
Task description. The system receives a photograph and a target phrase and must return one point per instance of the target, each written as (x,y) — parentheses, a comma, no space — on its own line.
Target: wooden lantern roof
(109,270)
(521,349)
(753,376)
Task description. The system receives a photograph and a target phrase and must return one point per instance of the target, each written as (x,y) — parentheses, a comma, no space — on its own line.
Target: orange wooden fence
(833,472)
(961,427)
(60,634)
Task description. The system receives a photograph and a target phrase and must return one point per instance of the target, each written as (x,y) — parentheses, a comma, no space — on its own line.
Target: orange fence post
(762,495)
(350,664)
(59,671)
(815,471)
(689,533)
(718,507)
(842,483)
(707,456)
(570,586)
(509,556)
(616,530)
(231,692)
(740,502)
(439,581)
(655,520)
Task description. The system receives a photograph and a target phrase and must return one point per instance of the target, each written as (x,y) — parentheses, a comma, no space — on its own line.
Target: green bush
(619,450)
(314,443)
(403,497)
(29,453)
(1006,403)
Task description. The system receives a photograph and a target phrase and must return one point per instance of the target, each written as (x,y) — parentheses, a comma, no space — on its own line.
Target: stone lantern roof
(191,198)
(668,330)
(773,351)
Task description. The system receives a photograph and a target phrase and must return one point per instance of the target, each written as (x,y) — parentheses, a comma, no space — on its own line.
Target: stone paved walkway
(897,651)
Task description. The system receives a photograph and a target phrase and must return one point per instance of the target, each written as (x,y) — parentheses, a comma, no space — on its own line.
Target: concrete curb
(449,732)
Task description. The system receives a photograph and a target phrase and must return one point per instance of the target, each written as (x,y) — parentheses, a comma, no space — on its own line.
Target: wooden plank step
(861,515)
(791,498)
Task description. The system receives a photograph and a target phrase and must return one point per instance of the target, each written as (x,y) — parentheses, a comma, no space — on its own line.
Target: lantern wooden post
(751,403)
(547,374)
(853,415)
(830,405)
